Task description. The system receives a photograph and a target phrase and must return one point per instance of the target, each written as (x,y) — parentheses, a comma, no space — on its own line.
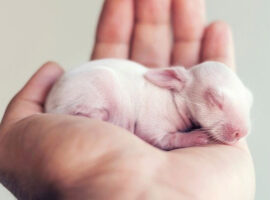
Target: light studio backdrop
(35,31)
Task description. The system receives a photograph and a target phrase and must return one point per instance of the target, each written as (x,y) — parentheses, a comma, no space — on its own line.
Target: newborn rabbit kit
(169,108)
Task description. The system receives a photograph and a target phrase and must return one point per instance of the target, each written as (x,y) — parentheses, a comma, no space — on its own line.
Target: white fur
(157,106)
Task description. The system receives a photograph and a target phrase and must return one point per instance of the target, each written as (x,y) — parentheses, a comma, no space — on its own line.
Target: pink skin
(226,103)
(164,107)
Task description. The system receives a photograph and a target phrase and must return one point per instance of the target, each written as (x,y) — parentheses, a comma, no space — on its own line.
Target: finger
(218,44)
(152,37)
(188,23)
(114,30)
(31,98)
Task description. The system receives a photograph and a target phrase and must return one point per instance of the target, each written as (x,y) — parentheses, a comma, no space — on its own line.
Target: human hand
(79,158)
(144,35)
(44,156)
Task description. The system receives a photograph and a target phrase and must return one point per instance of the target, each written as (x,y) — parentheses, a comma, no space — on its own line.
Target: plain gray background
(35,31)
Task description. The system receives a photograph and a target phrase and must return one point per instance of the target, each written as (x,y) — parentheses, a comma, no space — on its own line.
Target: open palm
(66,157)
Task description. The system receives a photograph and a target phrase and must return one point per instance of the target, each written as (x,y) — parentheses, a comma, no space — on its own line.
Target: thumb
(32,96)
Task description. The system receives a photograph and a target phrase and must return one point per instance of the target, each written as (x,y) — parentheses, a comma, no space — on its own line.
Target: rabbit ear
(173,78)
(215,97)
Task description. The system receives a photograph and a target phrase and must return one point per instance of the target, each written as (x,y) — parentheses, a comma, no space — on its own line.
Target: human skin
(44,156)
